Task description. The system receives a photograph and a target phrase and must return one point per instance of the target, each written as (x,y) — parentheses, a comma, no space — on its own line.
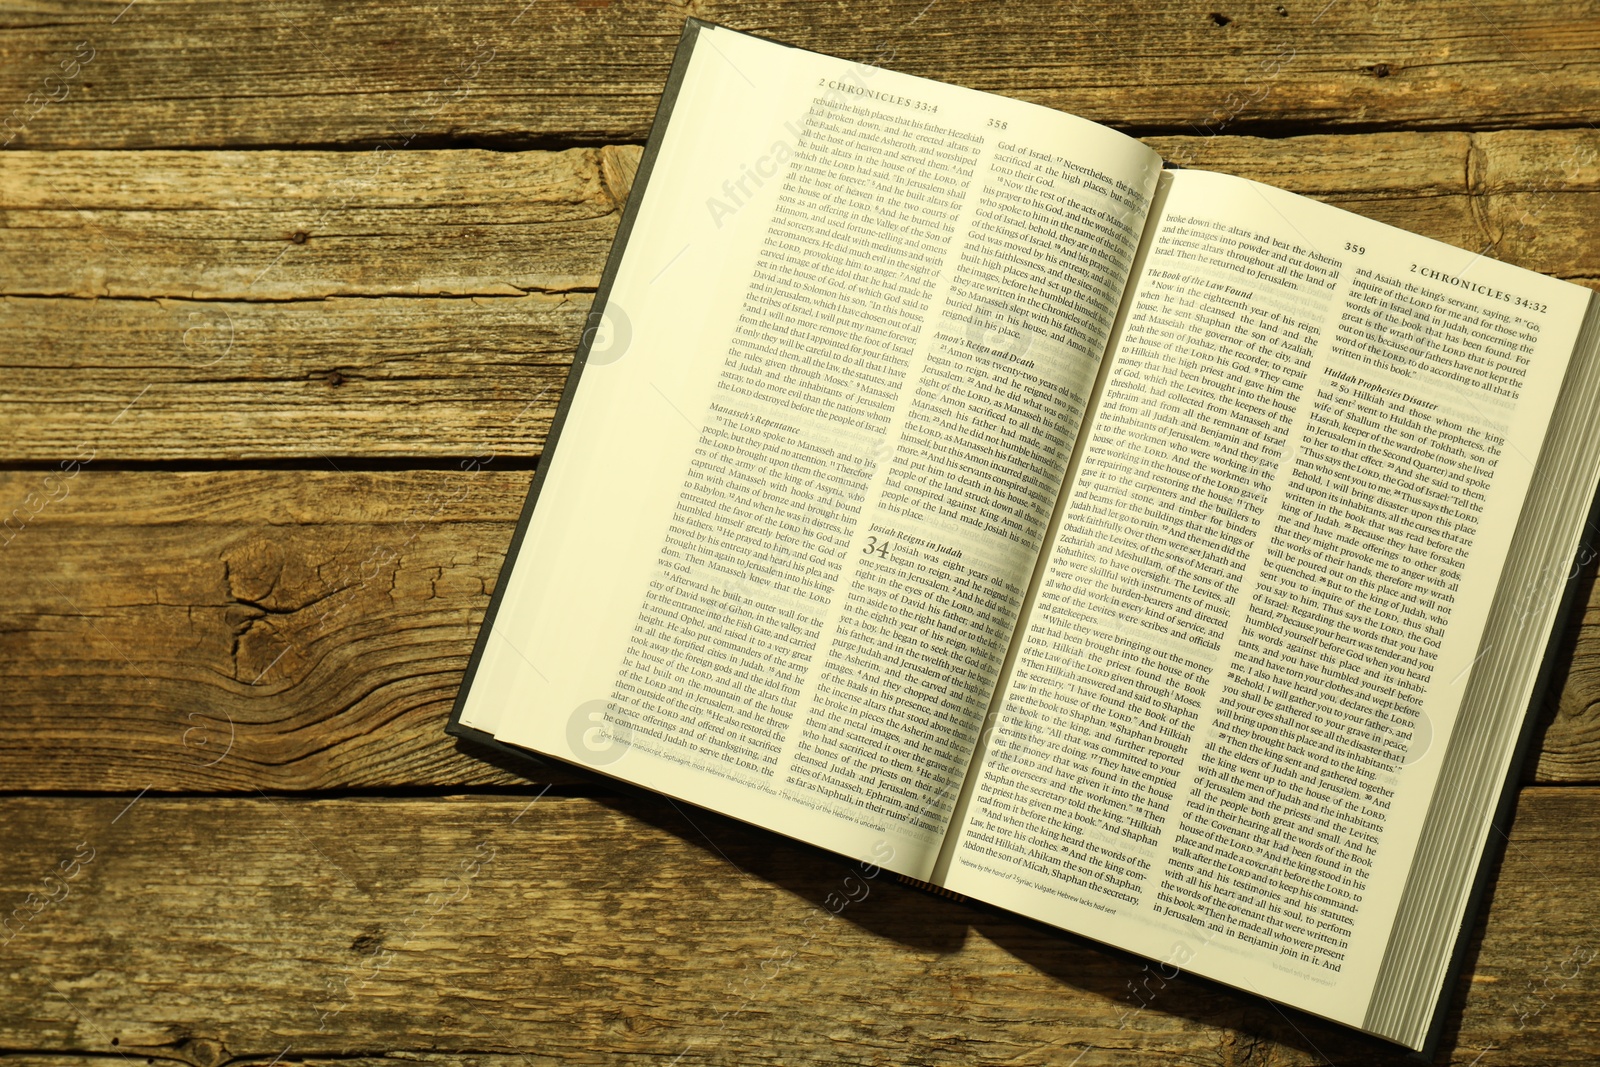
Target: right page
(1268,580)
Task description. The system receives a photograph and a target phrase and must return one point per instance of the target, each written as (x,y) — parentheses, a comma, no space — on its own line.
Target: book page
(782,546)
(1267,587)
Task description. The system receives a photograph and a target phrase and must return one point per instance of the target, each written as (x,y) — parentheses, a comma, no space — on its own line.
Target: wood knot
(252,570)
(1379,70)
(333,378)
(299,237)
(181,1047)
(365,943)
(204,1052)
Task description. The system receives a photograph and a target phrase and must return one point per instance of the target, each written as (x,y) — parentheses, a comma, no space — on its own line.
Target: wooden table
(290,293)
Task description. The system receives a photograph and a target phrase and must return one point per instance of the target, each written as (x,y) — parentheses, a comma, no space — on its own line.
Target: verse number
(998,124)
(1357,249)
(875,547)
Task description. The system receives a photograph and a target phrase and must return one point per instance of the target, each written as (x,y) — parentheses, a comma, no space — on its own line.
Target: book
(1163,556)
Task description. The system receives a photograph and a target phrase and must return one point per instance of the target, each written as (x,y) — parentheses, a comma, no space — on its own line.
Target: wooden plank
(242,630)
(307,630)
(207,74)
(608,931)
(342,376)
(457,282)
(1567,741)
(308,225)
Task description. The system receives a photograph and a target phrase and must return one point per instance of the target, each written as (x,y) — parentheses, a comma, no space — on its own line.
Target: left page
(782,542)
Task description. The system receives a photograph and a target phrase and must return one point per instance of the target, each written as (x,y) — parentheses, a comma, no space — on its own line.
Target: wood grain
(617,931)
(208,74)
(243,630)
(293,304)
(308,225)
(307,630)
(367,235)
(281,226)
(335,377)
(456,282)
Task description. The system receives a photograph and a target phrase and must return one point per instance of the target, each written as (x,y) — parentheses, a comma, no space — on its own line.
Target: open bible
(1153,553)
